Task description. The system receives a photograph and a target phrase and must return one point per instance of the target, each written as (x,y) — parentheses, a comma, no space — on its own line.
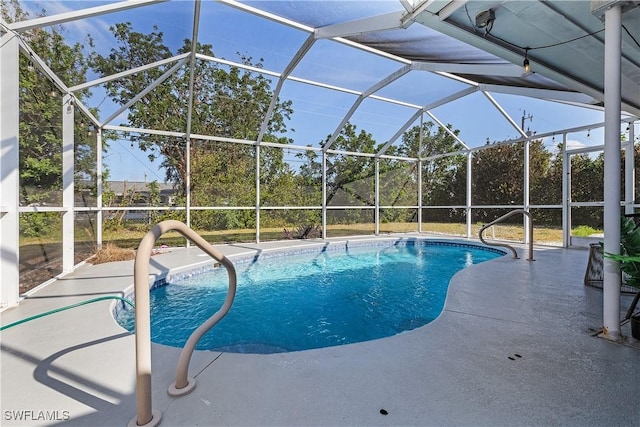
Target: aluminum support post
(469,193)
(258,193)
(419,196)
(68,172)
(526,189)
(629,172)
(377,197)
(612,88)
(566,194)
(9,178)
(324,194)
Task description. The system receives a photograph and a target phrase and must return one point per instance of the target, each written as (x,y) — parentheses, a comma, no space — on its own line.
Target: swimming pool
(325,297)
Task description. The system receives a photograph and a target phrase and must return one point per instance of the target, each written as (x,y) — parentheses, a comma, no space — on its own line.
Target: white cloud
(573,144)
(74,31)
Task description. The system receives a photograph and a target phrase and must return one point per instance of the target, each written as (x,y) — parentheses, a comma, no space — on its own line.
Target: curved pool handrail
(505,245)
(146,416)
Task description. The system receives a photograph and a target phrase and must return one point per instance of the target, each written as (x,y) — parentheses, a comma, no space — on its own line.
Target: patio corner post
(68,173)
(612,112)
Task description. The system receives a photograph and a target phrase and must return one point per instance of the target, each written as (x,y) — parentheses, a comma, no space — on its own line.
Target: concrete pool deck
(514,345)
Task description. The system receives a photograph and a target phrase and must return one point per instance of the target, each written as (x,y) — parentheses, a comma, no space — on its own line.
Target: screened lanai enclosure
(264,120)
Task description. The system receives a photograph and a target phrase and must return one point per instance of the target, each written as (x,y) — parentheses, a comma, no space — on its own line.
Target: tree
(230,103)
(40,131)
(350,179)
(498,176)
(443,178)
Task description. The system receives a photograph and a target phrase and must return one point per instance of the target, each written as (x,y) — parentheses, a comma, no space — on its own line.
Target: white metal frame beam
(446,129)
(68,187)
(61,18)
(499,70)
(545,94)
(146,90)
(376,87)
(128,72)
(9,173)
(504,114)
(426,108)
(192,66)
(388,21)
(306,46)
(612,112)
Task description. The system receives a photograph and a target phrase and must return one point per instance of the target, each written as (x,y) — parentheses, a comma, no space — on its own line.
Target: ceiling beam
(514,57)
(500,70)
(546,94)
(450,9)
(409,17)
(388,21)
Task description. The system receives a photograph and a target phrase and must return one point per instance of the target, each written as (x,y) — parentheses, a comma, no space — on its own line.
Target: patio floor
(514,345)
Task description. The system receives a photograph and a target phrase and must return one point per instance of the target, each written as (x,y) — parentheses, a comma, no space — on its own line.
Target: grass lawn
(131,238)
(41,258)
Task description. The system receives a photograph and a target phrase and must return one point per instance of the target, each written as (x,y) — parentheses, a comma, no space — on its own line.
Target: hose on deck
(68,307)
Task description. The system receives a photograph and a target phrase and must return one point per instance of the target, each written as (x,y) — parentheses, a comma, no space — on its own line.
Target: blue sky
(317,111)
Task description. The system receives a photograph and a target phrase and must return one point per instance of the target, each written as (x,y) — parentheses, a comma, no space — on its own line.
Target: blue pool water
(313,300)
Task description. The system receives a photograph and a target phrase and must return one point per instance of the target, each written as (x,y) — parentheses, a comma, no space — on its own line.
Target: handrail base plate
(176,392)
(156,416)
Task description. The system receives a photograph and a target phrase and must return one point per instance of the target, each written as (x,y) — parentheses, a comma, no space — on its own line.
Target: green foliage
(629,257)
(40,128)
(229,103)
(153,190)
(443,178)
(41,224)
(584,231)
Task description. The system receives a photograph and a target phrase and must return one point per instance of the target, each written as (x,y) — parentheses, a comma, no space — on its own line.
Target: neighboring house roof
(119,187)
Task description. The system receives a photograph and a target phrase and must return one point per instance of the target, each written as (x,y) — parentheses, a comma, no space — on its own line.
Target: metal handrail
(146,416)
(505,245)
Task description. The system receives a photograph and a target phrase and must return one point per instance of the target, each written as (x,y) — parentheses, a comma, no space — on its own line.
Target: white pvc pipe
(419,196)
(612,112)
(526,189)
(629,172)
(324,195)
(377,197)
(566,194)
(68,173)
(469,195)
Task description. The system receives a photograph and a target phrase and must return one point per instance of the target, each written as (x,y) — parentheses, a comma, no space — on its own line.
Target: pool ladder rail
(506,245)
(146,416)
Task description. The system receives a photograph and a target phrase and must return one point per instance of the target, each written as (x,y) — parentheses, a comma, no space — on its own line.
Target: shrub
(584,231)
